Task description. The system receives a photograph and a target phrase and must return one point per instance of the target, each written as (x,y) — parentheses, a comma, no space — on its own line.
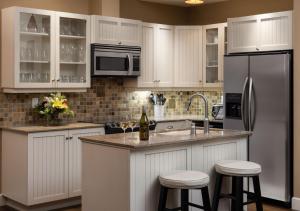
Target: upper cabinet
(214,49)
(116,31)
(267,32)
(44,51)
(157,57)
(188,56)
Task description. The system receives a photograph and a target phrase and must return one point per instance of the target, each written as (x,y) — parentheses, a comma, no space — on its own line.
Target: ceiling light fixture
(194,2)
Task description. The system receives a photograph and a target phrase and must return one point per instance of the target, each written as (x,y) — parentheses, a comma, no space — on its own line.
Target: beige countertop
(131,140)
(170,118)
(39,128)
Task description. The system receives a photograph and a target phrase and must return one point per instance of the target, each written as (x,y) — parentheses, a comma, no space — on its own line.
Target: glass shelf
(34,34)
(72,37)
(32,61)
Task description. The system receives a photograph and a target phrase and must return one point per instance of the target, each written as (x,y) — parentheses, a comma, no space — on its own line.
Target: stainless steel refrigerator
(258,97)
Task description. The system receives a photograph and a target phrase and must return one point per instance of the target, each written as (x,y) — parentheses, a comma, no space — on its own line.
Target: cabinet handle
(257,49)
(67,138)
(200,81)
(120,43)
(71,137)
(53,80)
(58,80)
(170,127)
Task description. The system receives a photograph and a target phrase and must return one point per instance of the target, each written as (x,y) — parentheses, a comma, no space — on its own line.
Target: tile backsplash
(107,100)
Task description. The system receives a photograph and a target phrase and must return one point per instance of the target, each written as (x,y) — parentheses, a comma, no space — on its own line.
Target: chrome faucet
(206,120)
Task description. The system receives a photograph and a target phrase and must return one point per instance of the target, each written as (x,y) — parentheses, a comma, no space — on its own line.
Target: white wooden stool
(237,170)
(184,180)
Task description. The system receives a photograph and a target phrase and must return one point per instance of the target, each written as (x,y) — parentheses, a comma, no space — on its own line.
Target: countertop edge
(87,139)
(38,129)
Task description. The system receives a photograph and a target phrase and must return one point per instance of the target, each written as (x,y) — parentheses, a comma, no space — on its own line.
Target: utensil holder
(159,111)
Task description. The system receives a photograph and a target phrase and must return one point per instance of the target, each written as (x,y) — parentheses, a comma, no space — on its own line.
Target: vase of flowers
(51,107)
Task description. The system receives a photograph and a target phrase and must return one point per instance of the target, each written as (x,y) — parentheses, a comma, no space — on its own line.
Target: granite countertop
(170,118)
(131,141)
(40,128)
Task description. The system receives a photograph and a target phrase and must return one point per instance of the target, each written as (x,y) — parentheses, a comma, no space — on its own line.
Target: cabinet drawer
(174,125)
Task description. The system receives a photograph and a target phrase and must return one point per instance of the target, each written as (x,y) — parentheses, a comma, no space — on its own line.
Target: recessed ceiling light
(194,2)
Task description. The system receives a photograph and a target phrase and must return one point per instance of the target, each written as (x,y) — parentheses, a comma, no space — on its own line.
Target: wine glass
(124,125)
(132,124)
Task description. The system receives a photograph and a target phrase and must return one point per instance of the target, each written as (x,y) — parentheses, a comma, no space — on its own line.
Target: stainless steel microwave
(116,60)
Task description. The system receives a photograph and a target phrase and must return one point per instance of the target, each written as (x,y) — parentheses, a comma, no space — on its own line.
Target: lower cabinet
(43,167)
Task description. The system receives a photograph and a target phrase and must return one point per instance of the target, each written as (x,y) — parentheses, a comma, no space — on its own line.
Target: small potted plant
(50,107)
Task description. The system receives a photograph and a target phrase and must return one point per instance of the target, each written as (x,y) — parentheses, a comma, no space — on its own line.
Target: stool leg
(184,200)
(217,192)
(239,194)
(256,184)
(162,198)
(205,199)
(233,189)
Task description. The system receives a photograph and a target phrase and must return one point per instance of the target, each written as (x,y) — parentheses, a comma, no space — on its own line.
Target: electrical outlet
(34,102)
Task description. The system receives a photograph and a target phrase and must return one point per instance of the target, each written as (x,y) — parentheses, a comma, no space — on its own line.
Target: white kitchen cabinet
(164,52)
(74,144)
(265,32)
(116,31)
(157,57)
(31,50)
(214,46)
(188,56)
(48,165)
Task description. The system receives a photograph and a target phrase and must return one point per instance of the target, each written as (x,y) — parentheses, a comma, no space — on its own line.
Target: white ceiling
(180,2)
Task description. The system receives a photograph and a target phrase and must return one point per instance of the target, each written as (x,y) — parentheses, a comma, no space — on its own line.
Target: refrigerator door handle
(253,105)
(249,104)
(244,117)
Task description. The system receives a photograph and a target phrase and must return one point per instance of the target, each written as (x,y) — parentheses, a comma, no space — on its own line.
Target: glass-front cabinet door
(213,54)
(73,51)
(34,42)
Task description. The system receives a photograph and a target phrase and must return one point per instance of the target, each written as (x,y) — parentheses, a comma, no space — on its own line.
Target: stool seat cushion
(184,179)
(237,168)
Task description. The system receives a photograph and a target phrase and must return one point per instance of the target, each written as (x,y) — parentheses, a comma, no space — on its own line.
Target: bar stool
(237,170)
(184,180)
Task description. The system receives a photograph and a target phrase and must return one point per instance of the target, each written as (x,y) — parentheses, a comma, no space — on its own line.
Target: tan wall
(219,12)
(154,13)
(296,99)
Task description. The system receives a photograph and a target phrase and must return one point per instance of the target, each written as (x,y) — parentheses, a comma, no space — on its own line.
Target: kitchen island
(120,171)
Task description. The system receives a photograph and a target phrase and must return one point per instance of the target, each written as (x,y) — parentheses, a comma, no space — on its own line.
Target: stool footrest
(174,209)
(228,196)
(196,206)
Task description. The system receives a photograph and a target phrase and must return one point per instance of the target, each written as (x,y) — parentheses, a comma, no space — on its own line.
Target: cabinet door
(147,78)
(164,50)
(74,159)
(105,30)
(243,34)
(47,167)
(130,32)
(34,48)
(213,54)
(275,31)
(72,50)
(188,56)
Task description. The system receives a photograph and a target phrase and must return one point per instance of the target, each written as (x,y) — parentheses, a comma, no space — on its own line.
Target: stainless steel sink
(188,132)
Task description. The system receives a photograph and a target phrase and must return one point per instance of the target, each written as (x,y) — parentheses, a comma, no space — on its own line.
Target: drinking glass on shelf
(23,53)
(81,53)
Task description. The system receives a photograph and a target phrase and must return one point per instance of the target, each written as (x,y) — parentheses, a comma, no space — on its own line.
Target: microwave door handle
(128,62)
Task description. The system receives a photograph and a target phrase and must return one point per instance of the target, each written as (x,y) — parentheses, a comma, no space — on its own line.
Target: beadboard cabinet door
(116,31)
(47,167)
(266,32)
(276,31)
(164,51)
(74,158)
(188,56)
(243,34)
(147,78)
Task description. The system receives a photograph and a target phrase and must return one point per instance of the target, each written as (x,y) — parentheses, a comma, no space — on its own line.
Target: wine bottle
(144,125)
